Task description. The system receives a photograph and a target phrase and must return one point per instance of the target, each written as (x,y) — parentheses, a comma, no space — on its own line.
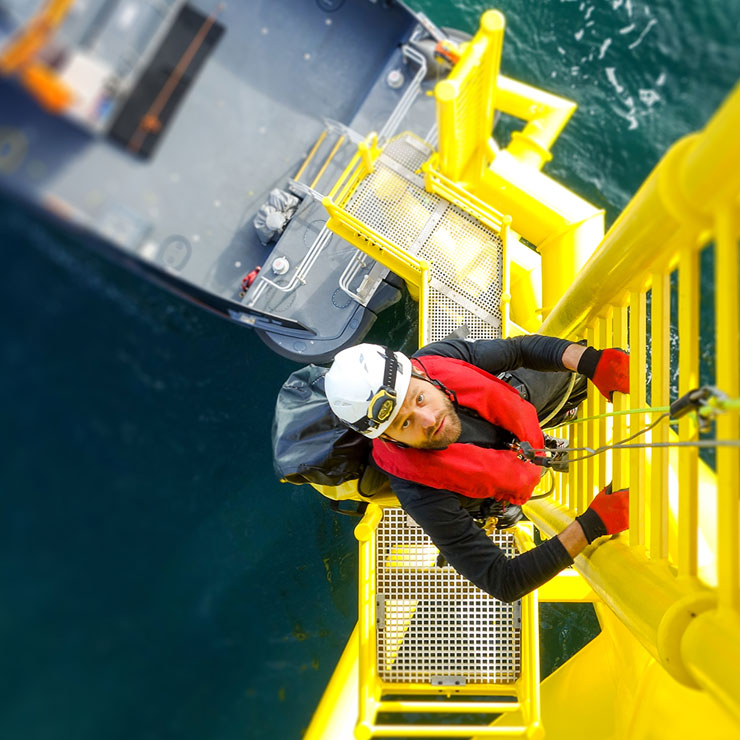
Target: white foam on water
(649,96)
(650,24)
(611,75)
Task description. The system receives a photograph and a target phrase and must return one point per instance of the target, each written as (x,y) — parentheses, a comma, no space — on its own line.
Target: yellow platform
(472,230)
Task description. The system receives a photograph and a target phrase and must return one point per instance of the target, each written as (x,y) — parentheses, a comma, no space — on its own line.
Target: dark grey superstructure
(176,198)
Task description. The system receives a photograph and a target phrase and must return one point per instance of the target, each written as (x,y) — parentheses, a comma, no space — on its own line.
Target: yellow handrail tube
(674,580)
(661,211)
(546,116)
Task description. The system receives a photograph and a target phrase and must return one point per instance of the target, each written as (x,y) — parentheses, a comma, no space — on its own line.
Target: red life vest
(477,472)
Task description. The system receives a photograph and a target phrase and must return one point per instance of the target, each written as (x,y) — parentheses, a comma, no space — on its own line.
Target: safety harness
(477,472)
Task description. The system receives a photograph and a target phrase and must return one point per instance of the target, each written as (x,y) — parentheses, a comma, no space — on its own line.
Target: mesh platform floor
(466,256)
(433,625)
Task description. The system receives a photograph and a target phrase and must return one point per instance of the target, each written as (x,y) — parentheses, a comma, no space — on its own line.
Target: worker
(447,427)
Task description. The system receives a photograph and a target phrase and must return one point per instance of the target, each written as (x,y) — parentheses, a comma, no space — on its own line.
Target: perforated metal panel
(465,256)
(472,106)
(396,207)
(467,260)
(433,625)
(409,152)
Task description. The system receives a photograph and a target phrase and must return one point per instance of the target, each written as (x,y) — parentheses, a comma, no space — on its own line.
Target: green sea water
(157,582)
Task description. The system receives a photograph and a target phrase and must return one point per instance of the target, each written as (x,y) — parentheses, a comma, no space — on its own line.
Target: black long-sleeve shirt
(448,517)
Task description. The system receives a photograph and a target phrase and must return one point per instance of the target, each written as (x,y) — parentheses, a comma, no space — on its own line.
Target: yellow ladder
(437,644)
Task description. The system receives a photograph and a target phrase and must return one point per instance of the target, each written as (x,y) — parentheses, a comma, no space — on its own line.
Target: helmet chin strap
(436,383)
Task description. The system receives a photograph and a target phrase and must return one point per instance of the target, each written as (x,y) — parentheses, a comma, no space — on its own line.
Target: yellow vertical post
(368,150)
(446,94)
(637,400)
(576,471)
(424,302)
(660,388)
(591,433)
(492,24)
(563,481)
(688,379)
(604,340)
(505,304)
(365,535)
(620,458)
(728,423)
(465,102)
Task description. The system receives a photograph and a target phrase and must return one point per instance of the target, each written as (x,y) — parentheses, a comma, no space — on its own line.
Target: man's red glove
(607,514)
(608,370)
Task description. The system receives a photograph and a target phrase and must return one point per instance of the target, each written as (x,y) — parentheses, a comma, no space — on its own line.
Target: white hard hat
(366,386)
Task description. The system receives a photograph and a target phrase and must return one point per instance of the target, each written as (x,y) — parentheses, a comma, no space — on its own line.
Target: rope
(713,405)
(647,410)
(565,397)
(622,446)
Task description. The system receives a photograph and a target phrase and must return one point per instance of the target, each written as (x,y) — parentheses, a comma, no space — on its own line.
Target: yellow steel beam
(643,593)
(660,387)
(569,585)
(667,205)
(688,379)
(336,715)
(638,399)
(546,116)
(728,380)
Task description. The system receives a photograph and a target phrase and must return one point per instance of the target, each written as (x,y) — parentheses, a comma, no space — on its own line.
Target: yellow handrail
(21,56)
(465,102)
(675,580)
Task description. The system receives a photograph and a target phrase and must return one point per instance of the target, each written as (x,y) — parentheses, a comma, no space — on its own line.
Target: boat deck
(245,124)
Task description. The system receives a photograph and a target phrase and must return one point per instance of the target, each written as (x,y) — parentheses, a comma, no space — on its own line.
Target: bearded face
(427,419)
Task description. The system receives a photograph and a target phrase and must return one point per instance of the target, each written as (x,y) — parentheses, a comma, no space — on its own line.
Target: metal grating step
(466,256)
(434,626)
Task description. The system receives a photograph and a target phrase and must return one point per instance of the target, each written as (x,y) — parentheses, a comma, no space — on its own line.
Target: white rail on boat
(406,101)
(299,276)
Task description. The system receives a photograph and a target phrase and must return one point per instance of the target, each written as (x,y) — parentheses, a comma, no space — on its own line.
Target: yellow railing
(674,580)
(414,271)
(465,102)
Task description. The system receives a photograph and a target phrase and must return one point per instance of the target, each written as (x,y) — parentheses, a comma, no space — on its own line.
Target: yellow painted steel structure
(667,593)
(519,699)
(563,226)
(414,271)
(674,581)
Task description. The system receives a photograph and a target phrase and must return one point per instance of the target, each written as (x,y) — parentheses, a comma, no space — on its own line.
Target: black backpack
(309,443)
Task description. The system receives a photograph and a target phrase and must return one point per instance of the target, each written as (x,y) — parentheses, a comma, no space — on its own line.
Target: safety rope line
(710,408)
(622,446)
(706,402)
(647,410)
(529,451)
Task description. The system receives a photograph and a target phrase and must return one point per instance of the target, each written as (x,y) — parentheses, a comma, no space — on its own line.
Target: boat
(159,131)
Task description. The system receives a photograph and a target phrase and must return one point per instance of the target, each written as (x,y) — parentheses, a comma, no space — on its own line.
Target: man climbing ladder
(449,434)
